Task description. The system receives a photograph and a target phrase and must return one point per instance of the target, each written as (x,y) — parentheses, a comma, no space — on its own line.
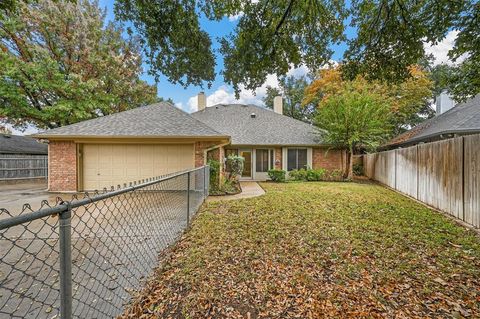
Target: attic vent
(253,115)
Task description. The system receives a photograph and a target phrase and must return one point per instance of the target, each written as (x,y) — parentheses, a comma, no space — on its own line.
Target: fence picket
(472,179)
(17,166)
(443,174)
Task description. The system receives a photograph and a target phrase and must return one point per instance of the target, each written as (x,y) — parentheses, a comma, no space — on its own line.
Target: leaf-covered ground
(318,250)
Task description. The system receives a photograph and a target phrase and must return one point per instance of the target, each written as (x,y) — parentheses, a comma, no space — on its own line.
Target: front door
(247,168)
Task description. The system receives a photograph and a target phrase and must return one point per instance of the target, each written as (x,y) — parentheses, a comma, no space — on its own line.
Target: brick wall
(62,166)
(200,148)
(331,160)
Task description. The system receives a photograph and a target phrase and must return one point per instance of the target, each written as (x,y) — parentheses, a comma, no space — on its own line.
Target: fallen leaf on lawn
(440,281)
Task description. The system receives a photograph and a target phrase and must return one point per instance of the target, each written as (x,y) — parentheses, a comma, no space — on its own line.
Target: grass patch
(310,250)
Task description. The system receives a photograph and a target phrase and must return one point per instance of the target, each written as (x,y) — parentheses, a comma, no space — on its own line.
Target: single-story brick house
(160,138)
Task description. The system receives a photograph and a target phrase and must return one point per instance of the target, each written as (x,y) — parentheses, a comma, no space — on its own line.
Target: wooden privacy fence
(443,174)
(17,166)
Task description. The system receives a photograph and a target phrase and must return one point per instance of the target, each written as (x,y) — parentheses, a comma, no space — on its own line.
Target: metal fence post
(205,191)
(188,197)
(65,233)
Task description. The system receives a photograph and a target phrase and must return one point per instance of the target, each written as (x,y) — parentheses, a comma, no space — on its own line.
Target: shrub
(307,174)
(358,169)
(214,174)
(234,166)
(277,175)
(315,174)
(298,175)
(334,175)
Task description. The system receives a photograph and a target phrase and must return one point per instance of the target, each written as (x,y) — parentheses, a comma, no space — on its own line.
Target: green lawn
(316,250)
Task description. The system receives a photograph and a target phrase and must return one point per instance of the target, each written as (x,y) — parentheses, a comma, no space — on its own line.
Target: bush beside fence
(443,174)
(84,258)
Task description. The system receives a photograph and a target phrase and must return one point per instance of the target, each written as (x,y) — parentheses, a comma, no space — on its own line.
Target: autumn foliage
(406,99)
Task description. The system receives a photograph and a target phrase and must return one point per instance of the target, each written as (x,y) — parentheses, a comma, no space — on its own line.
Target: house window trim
(285,156)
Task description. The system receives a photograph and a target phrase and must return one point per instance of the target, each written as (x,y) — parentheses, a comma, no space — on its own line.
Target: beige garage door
(105,165)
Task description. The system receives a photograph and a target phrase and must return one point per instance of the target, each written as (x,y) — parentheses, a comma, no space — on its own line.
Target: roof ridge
(258,107)
(111,115)
(195,119)
(161,118)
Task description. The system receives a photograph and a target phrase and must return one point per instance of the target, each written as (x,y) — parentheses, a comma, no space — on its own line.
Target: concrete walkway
(249,189)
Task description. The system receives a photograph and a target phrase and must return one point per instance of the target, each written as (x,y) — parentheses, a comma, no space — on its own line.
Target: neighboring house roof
(14,144)
(464,118)
(267,128)
(156,120)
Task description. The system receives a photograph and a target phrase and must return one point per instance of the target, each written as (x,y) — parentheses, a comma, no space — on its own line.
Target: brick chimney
(201,101)
(278,104)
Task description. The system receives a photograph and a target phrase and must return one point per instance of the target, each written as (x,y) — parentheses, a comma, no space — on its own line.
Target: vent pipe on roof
(278,104)
(202,101)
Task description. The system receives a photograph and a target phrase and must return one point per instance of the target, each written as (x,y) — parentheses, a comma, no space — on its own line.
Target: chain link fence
(84,258)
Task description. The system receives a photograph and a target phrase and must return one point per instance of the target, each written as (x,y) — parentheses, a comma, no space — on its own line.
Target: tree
(408,100)
(174,44)
(272,36)
(391,34)
(353,118)
(441,77)
(292,90)
(60,64)
(465,81)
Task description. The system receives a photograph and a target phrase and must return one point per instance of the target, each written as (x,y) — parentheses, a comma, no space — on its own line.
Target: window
(296,158)
(261,160)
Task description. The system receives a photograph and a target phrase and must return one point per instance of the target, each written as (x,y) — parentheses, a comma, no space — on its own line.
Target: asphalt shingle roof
(461,119)
(156,120)
(267,128)
(14,144)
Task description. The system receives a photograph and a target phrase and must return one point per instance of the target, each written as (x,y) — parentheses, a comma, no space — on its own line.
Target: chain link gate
(84,258)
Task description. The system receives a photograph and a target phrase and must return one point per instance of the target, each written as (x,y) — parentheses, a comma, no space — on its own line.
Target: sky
(220,93)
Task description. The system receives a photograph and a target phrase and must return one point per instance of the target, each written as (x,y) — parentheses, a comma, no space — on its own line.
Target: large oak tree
(273,36)
(60,64)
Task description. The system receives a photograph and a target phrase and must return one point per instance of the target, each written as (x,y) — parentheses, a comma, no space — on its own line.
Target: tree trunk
(350,168)
(349,165)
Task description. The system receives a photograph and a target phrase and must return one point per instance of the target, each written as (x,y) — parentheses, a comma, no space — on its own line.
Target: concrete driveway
(12,197)
(115,245)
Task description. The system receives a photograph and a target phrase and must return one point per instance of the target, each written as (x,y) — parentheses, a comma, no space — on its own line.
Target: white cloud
(302,70)
(235,17)
(225,95)
(440,50)
(30,129)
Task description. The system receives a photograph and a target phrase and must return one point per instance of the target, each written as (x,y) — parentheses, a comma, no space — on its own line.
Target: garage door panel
(106,165)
